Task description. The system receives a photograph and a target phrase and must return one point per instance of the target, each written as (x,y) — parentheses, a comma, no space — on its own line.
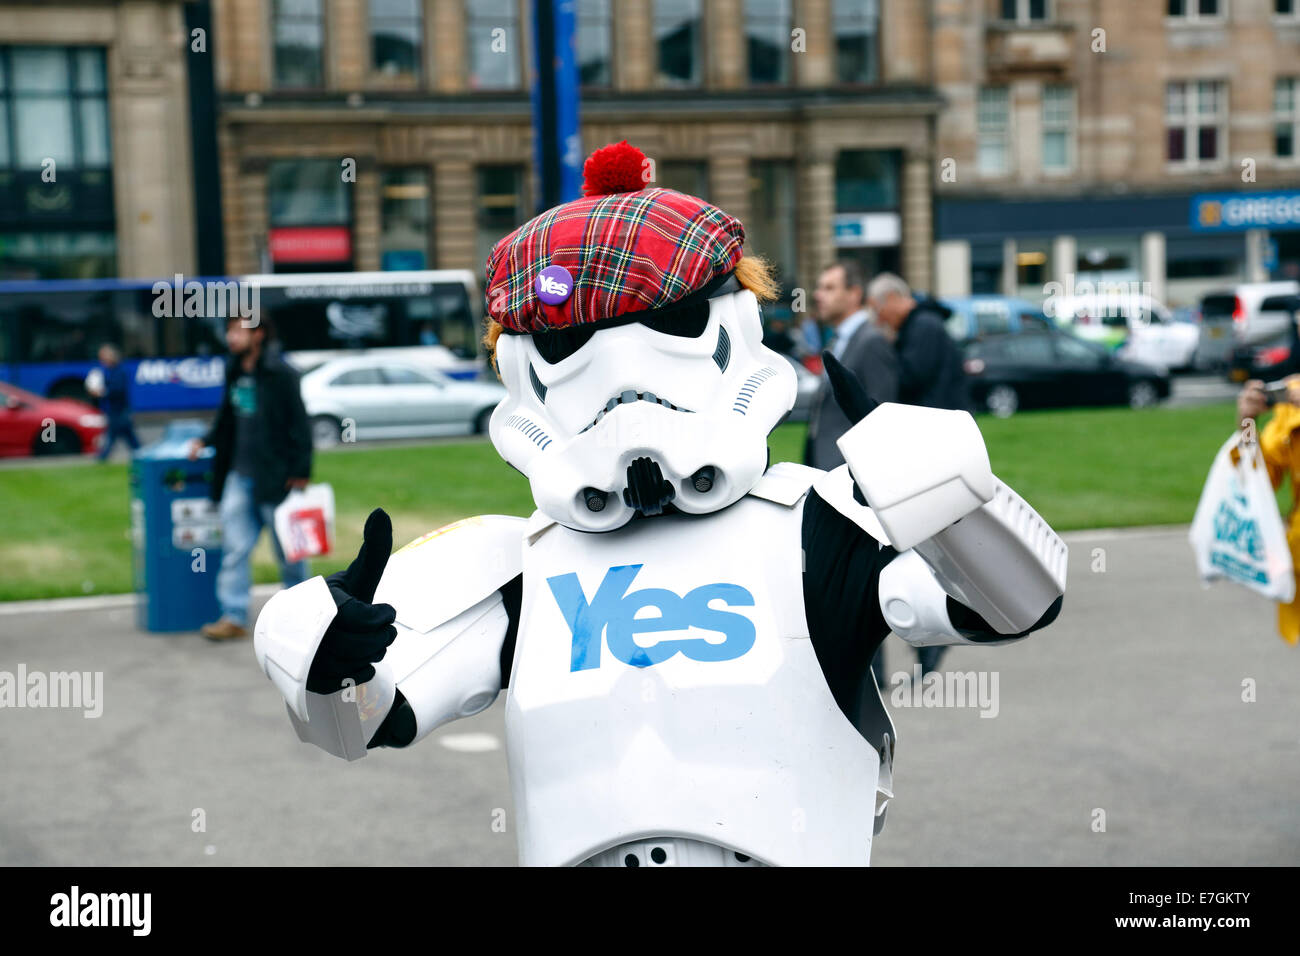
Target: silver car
(372,396)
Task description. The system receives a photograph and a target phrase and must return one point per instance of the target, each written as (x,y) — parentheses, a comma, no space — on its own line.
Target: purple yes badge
(554,285)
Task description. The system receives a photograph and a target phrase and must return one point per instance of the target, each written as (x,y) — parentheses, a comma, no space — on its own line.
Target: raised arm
(976,563)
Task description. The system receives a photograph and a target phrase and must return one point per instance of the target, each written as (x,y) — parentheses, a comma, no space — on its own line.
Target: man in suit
(861,347)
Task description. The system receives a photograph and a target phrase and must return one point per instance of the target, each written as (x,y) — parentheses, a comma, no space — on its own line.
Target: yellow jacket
(1282,457)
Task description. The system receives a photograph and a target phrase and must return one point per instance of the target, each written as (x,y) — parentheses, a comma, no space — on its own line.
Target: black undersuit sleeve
(512,596)
(398,728)
(842,565)
(841,578)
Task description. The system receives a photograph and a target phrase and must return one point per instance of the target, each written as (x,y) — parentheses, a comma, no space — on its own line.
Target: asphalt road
(1131,704)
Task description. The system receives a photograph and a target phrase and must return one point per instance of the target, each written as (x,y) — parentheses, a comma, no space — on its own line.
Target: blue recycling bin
(175,533)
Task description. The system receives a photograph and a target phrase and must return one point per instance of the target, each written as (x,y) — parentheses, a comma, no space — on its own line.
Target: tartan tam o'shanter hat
(623,248)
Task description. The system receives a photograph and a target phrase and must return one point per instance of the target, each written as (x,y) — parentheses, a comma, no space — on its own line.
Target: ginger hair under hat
(752,272)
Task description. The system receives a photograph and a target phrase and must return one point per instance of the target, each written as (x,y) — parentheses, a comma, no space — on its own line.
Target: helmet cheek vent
(722,354)
(538,388)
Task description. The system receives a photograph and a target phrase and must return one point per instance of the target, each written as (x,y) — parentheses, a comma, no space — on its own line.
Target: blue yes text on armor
(613,611)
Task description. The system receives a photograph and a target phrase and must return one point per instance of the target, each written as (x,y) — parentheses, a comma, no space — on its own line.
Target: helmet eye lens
(687,323)
(558,344)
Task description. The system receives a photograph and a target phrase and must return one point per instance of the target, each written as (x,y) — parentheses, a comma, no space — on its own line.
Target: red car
(31,425)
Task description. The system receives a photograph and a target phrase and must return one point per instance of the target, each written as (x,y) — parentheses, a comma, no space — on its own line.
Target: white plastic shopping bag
(304,523)
(1237,532)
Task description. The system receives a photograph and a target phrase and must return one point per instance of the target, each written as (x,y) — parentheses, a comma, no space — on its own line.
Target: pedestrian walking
(263,450)
(109,383)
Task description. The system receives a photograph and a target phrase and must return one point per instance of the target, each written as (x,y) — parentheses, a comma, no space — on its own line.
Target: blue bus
(171,331)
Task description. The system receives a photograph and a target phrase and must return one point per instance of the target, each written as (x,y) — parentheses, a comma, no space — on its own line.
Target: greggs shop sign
(310,244)
(1230,212)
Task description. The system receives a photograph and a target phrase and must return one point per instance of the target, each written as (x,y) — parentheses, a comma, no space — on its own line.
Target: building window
(1023,11)
(767,37)
(1195,120)
(1107,258)
(307,192)
(404,219)
(310,216)
(493,44)
(53,105)
(770,224)
(1286,117)
(501,205)
(1189,11)
(396,37)
(993,131)
(1033,267)
(677,36)
(866,180)
(856,24)
(298,38)
(1286,9)
(685,176)
(1199,257)
(1058,128)
(595,39)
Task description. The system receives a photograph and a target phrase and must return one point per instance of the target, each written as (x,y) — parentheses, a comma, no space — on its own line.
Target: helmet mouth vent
(628,397)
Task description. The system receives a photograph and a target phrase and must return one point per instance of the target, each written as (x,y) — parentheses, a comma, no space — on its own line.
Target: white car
(1138,326)
(378,396)
(1242,306)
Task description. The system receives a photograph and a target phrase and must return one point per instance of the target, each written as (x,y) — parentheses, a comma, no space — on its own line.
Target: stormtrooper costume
(684,633)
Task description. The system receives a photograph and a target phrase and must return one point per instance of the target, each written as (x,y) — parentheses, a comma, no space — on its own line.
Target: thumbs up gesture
(361,631)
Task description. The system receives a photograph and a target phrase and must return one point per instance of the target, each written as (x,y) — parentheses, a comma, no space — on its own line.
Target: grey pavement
(1131,704)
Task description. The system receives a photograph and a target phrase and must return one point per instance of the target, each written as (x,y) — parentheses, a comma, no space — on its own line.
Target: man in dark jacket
(930,373)
(930,364)
(263,449)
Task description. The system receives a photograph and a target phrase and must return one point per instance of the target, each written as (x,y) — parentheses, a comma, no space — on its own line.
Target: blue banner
(1237,212)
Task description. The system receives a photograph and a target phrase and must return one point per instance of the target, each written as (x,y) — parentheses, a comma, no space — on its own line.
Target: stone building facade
(812,120)
(1090,139)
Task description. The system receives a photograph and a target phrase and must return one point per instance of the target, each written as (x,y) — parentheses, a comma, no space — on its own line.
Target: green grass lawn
(65,527)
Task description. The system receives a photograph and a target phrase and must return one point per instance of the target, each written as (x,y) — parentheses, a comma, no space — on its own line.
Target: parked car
(1242,305)
(377,396)
(26,420)
(1279,355)
(976,315)
(1138,327)
(1056,370)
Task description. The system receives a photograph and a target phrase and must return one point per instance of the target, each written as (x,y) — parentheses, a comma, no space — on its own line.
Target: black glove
(360,633)
(852,398)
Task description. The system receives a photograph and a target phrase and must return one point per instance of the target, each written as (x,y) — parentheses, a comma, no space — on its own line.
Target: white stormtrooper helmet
(643,413)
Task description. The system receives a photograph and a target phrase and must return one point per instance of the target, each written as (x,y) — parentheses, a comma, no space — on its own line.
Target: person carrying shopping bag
(1281,456)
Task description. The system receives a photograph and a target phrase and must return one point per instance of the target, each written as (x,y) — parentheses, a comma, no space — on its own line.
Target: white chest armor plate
(664,686)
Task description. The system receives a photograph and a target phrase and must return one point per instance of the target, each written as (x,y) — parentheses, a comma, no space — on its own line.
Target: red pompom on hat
(616,168)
